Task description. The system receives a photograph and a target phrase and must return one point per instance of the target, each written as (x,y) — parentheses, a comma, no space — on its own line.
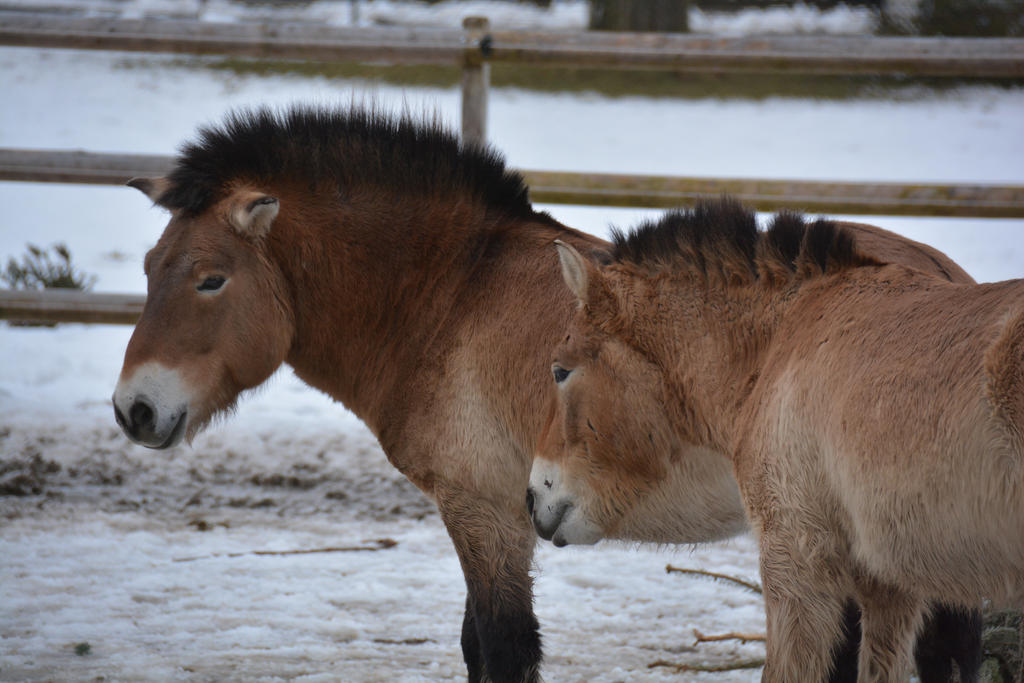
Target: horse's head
(607,441)
(611,462)
(216,320)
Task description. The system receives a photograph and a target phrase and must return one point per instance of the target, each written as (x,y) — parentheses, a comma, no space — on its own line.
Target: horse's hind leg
(950,634)
(889,620)
(847,649)
(500,635)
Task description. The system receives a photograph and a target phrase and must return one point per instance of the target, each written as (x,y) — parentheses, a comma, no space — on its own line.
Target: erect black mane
(337,149)
(720,236)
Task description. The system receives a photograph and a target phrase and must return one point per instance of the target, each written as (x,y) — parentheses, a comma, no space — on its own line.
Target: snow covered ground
(151,558)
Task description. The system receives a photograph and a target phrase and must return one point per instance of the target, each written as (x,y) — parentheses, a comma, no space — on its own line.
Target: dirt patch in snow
(100,470)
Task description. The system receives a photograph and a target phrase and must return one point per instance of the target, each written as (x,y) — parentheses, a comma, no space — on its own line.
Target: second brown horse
(872,413)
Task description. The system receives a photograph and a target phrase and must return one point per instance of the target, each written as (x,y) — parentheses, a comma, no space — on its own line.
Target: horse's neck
(712,346)
(371,296)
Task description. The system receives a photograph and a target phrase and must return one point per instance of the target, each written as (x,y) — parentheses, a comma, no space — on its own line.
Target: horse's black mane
(721,236)
(336,149)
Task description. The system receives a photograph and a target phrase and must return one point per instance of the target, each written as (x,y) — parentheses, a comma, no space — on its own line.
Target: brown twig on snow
(732,635)
(378,544)
(728,666)
(716,576)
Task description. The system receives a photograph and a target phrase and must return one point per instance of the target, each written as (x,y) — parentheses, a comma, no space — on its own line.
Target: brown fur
(869,410)
(377,282)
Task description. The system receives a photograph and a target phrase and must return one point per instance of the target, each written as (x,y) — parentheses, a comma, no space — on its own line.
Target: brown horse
(873,414)
(629,487)
(369,253)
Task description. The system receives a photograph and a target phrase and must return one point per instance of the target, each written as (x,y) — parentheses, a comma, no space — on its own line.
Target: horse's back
(890,247)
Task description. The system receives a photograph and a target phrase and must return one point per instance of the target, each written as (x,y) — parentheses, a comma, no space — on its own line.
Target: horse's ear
(254,214)
(577,271)
(151,187)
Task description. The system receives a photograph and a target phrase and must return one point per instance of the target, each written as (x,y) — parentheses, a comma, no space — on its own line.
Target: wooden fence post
(476,79)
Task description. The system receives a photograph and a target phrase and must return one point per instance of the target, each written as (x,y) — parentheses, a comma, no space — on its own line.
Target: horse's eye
(211,284)
(560,374)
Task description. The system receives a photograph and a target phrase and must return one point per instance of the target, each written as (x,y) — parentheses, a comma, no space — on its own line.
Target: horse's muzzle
(141,425)
(547,518)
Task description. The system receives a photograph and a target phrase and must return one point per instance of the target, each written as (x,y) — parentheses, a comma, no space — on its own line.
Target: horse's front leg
(890,619)
(806,586)
(471,644)
(804,610)
(494,540)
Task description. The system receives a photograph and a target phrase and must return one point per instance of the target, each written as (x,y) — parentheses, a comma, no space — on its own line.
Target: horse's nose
(140,421)
(547,520)
(529,500)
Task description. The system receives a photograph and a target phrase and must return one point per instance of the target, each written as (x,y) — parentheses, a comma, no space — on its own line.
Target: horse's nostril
(119,416)
(549,517)
(141,415)
(529,500)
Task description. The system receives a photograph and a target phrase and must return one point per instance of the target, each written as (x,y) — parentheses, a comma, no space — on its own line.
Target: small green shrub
(1003,642)
(38,269)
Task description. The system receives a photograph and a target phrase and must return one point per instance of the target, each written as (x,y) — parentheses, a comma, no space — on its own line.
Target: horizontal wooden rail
(310,42)
(606,189)
(835,55)
(861,199)
(71,166)
(69,306)
(956,57)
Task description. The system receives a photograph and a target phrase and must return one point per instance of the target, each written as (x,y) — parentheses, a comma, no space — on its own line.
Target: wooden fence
(477,46)
(965,57)
(606,189)
(69,306)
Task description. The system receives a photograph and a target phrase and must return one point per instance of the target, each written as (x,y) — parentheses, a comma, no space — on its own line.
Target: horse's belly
(948,540)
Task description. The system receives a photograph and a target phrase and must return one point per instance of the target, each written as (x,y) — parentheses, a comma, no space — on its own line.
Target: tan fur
(646,491)
(865,411)
(1005,374)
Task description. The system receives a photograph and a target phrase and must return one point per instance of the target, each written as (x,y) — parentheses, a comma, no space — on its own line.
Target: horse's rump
(909,395)
(1004,369)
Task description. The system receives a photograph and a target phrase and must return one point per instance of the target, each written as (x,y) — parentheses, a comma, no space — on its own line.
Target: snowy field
(181,565)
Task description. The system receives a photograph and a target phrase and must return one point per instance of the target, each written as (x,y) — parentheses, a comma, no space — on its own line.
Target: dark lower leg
(500,634)
(844,656)
(510,643)
(471,645)
(949,635)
